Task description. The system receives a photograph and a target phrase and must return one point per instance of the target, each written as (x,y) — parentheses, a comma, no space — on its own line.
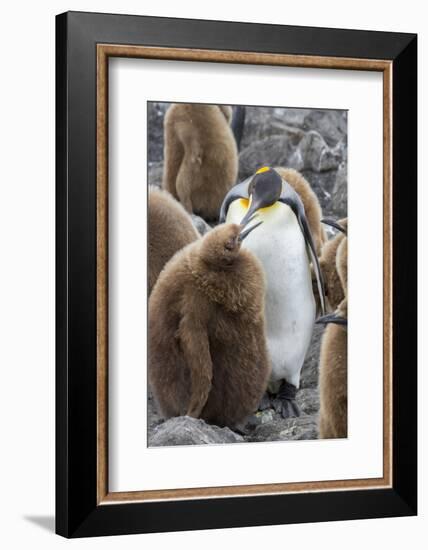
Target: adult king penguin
(285,247)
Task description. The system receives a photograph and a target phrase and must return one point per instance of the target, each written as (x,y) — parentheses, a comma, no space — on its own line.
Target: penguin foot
(290,408)
(285,403)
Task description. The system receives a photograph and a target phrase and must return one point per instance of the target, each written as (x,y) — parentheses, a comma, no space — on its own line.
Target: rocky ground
(315,143)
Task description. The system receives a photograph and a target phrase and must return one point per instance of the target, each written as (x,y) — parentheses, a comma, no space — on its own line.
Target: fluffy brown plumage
(334,362)
(170,229)
(333,286)
(201,157)
(207,343)
(310,202)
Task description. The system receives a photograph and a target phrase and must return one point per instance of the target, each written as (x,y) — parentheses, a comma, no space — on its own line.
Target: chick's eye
(230,244)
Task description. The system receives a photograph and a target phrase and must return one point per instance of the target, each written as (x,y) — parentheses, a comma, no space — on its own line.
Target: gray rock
(272,150)
(200,224)
(332,125)
(308,400)
(309,376)
(304,427)
(292,148)
(154,173)
(316,155)
(339,201)
(322,183)
(289,429)
(263,417)
(293,117)
(262,122)
(153,418)
(184,430)
(155,115)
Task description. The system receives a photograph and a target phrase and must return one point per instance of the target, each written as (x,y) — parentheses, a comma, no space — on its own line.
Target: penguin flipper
(334,318)
(292,199)
(314,258)
(238,191)
(335,224)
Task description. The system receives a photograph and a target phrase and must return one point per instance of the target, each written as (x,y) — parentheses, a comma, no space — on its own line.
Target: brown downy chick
(207,343)
(333,286)
(227,112)
(310,202)
(170,229)
(201,156)
(333,378)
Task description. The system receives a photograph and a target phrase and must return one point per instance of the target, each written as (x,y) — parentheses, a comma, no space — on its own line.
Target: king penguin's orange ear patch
(263,169)
(245,203)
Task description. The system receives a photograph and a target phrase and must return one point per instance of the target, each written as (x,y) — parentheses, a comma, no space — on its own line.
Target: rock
(302,427)
(309,376)
(154,173)
(153,418)
(332,125)
(266,416)
(278,150)
(292,148)
(339,201)
(262,122)
(184,430)
(308,400)
(200,224)
(316,155)
(155,115)
(322,183)
(293,117)
(260,417)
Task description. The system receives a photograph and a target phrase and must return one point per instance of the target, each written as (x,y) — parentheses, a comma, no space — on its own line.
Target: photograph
(247,254)
(224,359)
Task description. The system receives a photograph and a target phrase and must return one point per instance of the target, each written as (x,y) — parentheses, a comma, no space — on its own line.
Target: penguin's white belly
(290,305)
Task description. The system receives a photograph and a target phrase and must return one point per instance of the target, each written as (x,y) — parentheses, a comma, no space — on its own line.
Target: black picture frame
(77,511)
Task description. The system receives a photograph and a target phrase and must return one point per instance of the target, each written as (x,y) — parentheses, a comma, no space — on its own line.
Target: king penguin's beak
(243,234)
(255,204)
(331,318)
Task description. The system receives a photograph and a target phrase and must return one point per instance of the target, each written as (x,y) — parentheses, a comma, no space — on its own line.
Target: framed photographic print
(216,184)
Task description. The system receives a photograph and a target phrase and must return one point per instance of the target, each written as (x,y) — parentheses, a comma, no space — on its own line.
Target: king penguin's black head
(264,190)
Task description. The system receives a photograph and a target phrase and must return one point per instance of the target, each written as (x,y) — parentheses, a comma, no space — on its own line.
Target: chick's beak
(245,232)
